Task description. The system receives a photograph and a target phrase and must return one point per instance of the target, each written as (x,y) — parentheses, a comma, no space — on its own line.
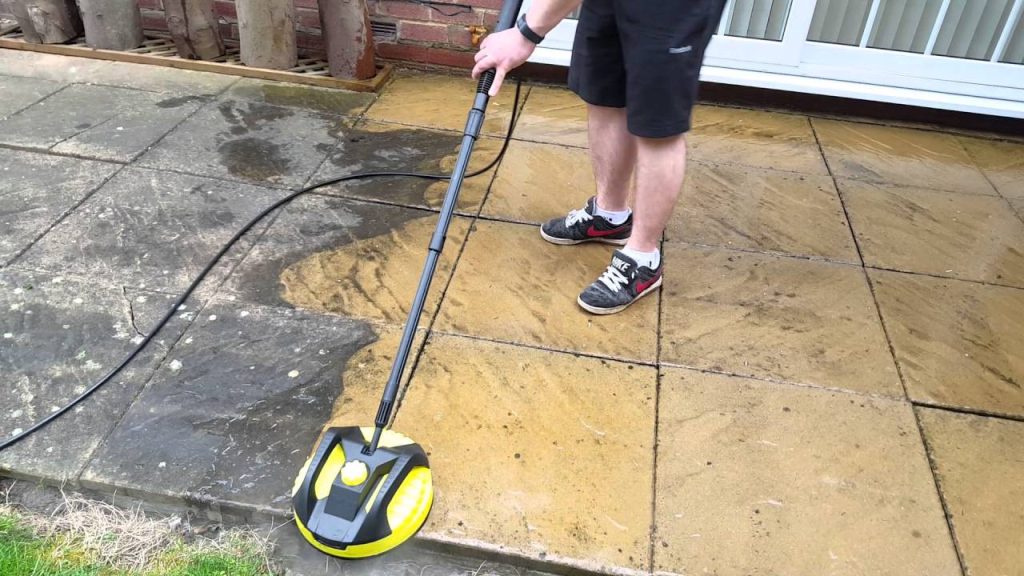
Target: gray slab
(312,98)
(57,337)
(97,121)
(311,224)
(123,74)
(17,93)
(151,229)
(37,189)
(249,141)
(234,410)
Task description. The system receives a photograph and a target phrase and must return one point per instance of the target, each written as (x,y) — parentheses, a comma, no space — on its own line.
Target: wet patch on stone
(177,101)
(151,229)
(59,336)
(36,190)
(234,409)
(251,141)
(312,98)
(95,121)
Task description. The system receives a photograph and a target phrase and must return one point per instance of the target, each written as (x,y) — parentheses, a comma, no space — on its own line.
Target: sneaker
(584,226)
(623,283)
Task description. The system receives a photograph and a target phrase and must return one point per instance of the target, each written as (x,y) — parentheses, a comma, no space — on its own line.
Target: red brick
(309,42)
(152,20)
(488,18)
(460,36)
(225,9)
(307,18)
(403,10)
(147,4)
(458,16)
(426,55)
(491,4)
(306,4)
(420,32)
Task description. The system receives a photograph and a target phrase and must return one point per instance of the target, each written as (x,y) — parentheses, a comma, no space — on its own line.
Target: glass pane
(971,28)
(905,25)
(761,19)
(839,21)
(1014,53)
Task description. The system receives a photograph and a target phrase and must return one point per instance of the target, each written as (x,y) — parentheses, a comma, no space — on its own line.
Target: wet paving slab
(525,293)
(801,321)
(99,122)
(233,411)
(555,116)
(957,343)
(18,93)
(250,141)
(754,138)
(900,156)
(978,464)
(346,257)
(755,209)
(948,234)
(441,101)
(547,456)
(303,97)
(1001,162)
(536,182)
(151,229)
(383,147)
(760,478)
(59,336)
(37,190)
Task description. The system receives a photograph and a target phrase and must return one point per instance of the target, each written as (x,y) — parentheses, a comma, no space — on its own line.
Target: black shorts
(645,56)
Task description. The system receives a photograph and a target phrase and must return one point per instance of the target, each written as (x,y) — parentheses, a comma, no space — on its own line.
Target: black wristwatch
(528,32)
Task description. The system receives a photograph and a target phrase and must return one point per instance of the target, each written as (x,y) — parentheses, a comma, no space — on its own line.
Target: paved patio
(830,381)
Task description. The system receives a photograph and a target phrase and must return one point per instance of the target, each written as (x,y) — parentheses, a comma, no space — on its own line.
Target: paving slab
(233,411)
(801,321)
(18,93)
(525,292)
(979,462)
(757,209)
(65,69)
(950,234)
(60,335)
(1002,163)
(553,115)
(250,141)
(39,189)
(537,182)
(151,229)
(440,101)
(759,478)
(301,96)
(537,454)
(900,156)
(382,147)
(754,138)
(346,257)
(97,121)
(957,343)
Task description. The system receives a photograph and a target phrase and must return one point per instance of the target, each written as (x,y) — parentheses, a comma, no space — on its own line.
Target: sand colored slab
(957,343)
(537,182)
(754,138)
(769,317)
(553,115)
(1002,162)
(759,478)
(979,463)
(543,455)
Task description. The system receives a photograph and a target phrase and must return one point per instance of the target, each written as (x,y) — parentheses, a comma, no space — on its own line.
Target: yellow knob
(354,473)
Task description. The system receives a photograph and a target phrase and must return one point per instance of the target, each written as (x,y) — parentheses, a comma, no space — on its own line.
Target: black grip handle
(506,19)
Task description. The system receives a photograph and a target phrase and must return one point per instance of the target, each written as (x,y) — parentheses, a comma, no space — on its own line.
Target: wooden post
(266,30)
(48,21)
(345,25)
(194,29)
(112,24)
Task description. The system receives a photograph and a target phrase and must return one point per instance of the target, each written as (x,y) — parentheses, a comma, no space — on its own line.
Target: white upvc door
(765,31)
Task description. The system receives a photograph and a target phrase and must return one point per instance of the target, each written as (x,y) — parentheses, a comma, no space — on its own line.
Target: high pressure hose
(234,239)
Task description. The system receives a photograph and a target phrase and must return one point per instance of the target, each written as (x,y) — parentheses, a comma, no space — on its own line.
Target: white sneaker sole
(568,242)
(605,311)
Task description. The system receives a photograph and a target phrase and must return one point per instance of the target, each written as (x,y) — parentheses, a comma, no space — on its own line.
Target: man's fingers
(479,55)
(499,77)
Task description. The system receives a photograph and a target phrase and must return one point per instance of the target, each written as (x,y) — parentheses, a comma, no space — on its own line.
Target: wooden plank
(370,85)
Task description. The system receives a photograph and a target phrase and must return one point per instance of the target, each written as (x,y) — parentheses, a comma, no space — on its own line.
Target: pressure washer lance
(356,498)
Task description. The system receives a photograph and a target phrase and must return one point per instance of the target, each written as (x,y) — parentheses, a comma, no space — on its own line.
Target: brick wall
(439,32)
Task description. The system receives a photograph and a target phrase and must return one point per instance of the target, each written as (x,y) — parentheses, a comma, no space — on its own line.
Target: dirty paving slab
(151,229)
(18,93)
(99,122)
(233,411)
(59,336)
(36,190)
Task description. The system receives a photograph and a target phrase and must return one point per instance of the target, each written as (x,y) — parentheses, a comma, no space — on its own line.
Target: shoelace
(613,279)
(575,216)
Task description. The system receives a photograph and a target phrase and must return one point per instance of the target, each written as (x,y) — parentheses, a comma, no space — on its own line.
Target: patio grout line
(652,545)
(71,155)
(1006,417)
(984,174)
(37,101)
(899,370)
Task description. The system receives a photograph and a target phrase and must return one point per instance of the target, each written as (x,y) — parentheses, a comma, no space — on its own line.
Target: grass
(87,538)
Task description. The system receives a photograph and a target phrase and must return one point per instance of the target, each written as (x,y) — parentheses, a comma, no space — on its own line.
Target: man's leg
(660,169)
(612,154)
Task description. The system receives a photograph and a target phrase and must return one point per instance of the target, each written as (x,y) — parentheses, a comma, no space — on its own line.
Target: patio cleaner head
(366,490)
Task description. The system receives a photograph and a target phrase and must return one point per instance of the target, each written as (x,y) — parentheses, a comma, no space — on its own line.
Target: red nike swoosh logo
(592,232)
(643,286)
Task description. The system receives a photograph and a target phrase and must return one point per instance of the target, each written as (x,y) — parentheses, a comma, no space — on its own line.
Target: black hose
(234,239)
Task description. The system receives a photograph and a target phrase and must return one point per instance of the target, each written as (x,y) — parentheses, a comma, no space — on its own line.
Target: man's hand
(502,51)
